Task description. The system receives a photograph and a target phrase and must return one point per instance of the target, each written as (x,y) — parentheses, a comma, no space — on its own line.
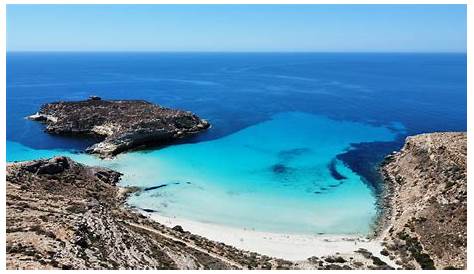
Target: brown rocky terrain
(120,124)
(426,199)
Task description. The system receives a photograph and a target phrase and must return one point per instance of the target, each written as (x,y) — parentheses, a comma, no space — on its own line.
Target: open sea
(295,139)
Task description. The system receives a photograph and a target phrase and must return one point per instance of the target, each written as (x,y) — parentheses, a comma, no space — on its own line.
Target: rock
(121,124)
(37,117)
(426,201)
(52,166)
(109,177)
(178,228)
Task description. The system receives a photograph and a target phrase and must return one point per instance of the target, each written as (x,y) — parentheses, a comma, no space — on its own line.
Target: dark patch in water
(160,186)
(365,158)
(289,154)
(317,192)
(279,168)
(148,210)
(232,193)
(154,187)
(334,173)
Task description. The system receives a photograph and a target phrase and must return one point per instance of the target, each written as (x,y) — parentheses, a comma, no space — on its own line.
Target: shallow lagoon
(280,175)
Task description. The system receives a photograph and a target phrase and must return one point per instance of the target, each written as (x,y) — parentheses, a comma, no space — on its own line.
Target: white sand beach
(286,246)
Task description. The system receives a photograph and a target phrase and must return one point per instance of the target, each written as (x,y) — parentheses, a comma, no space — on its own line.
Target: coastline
(297,248)
(294,247)
(420,223)
(85,223)
(424,202)
(409,235)
(386,202)
(75,218)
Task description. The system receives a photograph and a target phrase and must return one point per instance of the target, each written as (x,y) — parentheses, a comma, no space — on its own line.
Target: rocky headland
(120,124)
(426,202)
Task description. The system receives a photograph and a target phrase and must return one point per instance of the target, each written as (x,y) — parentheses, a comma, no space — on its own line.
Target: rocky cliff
(426,202)
(121,125)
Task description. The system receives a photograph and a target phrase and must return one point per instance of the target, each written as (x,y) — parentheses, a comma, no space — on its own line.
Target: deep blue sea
(295,137)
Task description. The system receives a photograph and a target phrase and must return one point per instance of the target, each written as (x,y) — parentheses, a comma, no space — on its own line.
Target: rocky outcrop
(426,199)
(121,125)
(61,214)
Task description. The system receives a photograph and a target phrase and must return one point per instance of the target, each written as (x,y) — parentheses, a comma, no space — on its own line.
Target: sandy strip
(286,246)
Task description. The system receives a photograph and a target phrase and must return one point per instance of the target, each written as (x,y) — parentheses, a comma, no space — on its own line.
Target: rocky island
(426,202)
(120,124)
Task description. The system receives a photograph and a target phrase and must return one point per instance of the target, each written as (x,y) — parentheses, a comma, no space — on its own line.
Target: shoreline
(385,200)
(416,226)
(293,247)
(83,211)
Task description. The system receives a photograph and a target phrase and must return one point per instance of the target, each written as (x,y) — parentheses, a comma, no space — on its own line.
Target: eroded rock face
(427,201)
(122,124)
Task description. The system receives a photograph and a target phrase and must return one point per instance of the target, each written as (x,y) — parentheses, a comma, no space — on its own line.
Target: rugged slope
(122,124)
(427,202)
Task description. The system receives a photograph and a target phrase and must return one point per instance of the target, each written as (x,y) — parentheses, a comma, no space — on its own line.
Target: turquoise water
(279,120)
(280,175)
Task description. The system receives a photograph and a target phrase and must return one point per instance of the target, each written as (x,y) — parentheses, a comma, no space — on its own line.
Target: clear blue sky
(401,28)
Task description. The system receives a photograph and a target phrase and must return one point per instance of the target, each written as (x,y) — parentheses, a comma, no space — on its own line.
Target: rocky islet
(120,125)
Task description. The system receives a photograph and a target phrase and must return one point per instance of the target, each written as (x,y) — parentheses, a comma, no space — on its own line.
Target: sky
(255,28)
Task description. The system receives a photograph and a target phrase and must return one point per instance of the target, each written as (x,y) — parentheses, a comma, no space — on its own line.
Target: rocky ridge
(426,202)
(120,124)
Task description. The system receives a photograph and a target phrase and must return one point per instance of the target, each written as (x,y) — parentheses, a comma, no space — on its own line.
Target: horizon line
(217,51)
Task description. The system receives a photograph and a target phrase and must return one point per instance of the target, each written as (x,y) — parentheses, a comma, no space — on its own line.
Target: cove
(280,175)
